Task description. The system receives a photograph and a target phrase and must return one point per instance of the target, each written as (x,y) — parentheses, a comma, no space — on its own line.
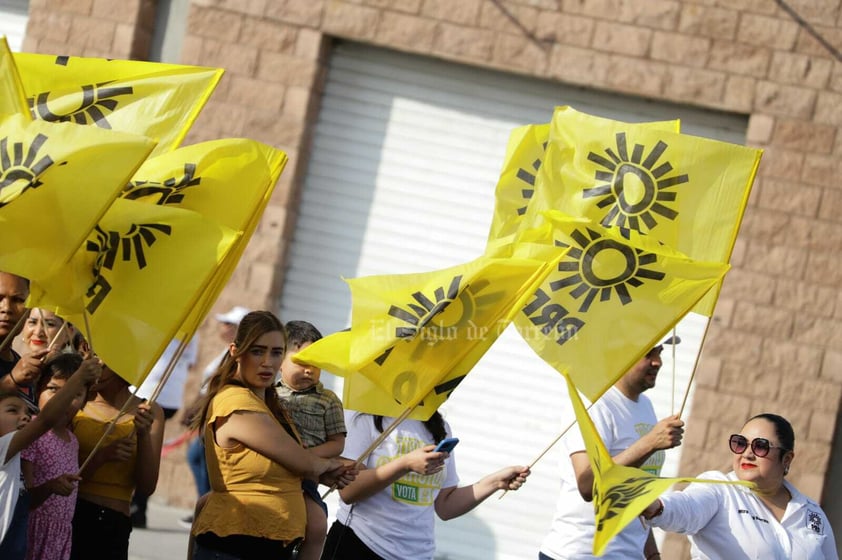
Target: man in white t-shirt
(626,422)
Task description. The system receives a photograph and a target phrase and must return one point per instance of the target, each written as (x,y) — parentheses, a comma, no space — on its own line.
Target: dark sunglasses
(759,446)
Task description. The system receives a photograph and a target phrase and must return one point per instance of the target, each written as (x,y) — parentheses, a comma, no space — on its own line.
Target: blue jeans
(198,465)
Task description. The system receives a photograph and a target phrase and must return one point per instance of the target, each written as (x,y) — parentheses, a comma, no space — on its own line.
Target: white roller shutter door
(405,158)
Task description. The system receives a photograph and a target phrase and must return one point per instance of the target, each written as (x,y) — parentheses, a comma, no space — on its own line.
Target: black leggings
(342,543)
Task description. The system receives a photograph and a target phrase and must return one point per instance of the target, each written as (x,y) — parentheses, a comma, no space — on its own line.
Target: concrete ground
(164,538)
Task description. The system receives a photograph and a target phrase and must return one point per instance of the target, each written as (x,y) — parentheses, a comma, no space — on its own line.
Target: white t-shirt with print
(620,422)
(10,484)
(398,522)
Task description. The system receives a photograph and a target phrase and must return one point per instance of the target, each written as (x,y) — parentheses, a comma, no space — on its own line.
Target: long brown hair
(251,327)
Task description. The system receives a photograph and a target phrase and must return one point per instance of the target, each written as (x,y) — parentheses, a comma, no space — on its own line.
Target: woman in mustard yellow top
(127,460)
(255,508)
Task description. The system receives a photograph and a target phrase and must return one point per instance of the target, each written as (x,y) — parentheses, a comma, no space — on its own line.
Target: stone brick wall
(101,28)
(775,343)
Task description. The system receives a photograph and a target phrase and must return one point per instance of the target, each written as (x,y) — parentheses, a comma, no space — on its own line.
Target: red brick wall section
(775,339)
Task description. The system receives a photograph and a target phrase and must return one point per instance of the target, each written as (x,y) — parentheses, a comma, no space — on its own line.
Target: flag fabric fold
(61,177)
(620,493)
(359,393)
(608,301)
(525,153)
(12,96)
(229,181)
(144,267)
(151,98)
(415,336)
(684,191)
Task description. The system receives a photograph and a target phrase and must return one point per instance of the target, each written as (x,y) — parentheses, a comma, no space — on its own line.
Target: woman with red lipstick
(773,521)
(255,508)
(44,330)
(43,333)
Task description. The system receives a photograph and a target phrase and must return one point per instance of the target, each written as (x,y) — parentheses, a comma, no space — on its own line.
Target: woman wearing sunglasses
(730,522)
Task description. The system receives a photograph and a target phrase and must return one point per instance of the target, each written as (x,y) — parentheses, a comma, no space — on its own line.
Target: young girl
(49,468)
(388,511)
(16,433)
(127,461)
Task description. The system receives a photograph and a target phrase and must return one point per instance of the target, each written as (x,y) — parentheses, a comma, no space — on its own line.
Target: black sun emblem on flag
(171,191)
(601,266)
(633,188)
(423,310)
(20,167)
(528,177)
(95,102)
(446,316)
(109,245)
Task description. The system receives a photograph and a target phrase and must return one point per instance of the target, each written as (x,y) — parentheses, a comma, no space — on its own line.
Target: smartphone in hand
(447,444)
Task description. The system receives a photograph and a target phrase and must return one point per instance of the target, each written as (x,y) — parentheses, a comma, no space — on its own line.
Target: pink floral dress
(50,528)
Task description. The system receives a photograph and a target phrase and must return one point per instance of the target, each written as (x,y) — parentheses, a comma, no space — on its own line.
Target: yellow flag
(144,268)
(361,394)
(332,353)
(228,181)
(607,302)
(516,185)
(416,330)
(12,97)
(56,182)
(416,334)
(620,493)
(684,191)
(524,155)
(151,98)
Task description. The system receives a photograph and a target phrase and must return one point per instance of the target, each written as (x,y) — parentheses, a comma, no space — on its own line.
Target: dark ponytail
(434,425)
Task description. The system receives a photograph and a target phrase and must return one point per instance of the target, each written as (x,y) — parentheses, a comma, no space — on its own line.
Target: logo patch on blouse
(814,522)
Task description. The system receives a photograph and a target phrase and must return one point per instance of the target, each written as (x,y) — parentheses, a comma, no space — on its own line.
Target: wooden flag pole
(182,345)
(672,392)
(9,337)
(550,446)
(113,422)
(404,415)
(108,430)
(53,340)
(695,366)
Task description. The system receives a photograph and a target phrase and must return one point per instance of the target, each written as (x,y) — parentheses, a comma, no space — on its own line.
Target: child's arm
(333,447)
(62,485)
(369,482)
(334,427)
(54,410)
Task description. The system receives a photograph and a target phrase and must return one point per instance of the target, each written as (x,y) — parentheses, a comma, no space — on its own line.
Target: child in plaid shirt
(318,415)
